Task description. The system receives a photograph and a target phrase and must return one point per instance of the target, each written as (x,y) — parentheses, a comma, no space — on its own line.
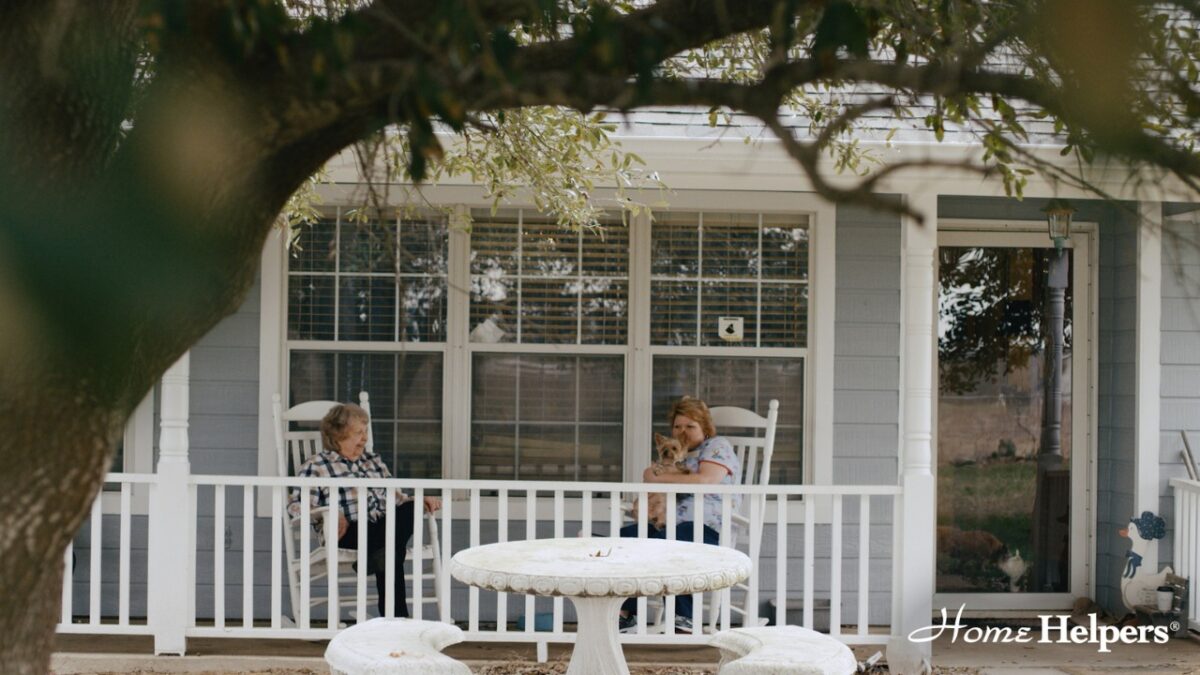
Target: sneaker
(683,624)
(627,624)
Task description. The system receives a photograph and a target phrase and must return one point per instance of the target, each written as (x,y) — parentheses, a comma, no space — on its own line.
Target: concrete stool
(780,650)
(395,646)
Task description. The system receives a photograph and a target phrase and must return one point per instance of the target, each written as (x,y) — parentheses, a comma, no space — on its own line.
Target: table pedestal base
(597,649)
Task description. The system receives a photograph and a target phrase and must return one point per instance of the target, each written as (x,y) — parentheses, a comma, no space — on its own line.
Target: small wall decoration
(730,328)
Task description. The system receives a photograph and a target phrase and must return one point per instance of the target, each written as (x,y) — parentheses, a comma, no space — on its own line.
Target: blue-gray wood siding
(1180,355)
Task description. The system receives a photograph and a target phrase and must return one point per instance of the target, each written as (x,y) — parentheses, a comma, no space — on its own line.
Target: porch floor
(121,654)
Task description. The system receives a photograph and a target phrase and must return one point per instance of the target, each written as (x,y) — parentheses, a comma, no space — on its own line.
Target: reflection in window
(707,265)
(534,282)
(377,281)
(745,383)
(547,417)
(405,392)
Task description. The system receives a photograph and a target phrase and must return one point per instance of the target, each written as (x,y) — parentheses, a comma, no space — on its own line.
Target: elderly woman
(711,460)
(344,435)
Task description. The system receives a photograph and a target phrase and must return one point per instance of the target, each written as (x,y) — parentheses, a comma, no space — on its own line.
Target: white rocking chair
(754,455)
(298,446)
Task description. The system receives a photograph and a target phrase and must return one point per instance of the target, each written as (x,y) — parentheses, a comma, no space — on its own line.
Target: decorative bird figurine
(1137,585)
(1014,567)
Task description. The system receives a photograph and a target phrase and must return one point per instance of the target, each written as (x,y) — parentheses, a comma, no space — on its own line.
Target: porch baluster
(94,551)
(333,610)
(501,536)
(669,601)
(559,531)
(864,560)
(68,583)
(473,591)
(360,555)
(530,533)
(389,585)
(809,562)
(835,569)
(125,543)
(418,541)
(305,558)
(447,536)
(276,555)
(728,538)
(247,556)
(219,556)
(781,560)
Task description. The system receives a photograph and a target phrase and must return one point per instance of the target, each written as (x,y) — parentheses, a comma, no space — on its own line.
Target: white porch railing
(1187,542)
(798,551)
(96,574)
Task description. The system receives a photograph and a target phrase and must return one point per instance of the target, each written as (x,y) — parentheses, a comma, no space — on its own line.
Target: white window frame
(817,451)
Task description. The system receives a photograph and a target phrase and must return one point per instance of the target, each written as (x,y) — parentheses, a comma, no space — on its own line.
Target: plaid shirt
(329,464)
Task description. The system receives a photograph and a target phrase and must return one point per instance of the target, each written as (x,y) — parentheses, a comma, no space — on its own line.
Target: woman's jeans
(683,532)
(377,553)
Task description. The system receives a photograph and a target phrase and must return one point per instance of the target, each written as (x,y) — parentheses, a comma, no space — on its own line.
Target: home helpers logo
(1054,628)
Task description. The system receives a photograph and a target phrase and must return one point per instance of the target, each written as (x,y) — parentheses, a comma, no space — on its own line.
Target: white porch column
(1148,368)
(913,595)
(171,522)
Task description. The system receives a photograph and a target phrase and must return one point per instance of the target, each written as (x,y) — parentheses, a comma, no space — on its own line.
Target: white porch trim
(913,573)
(271,322)
(1148,365)
(170,545)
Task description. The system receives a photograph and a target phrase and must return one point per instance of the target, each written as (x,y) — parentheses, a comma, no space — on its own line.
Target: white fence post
(170,549)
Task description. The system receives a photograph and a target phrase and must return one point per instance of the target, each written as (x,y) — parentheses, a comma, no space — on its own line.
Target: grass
(996,497)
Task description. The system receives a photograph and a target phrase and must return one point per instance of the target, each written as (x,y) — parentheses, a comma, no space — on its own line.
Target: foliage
(1103,80)
(991,307)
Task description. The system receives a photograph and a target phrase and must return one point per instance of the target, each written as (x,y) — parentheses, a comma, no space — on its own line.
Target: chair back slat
(754,452)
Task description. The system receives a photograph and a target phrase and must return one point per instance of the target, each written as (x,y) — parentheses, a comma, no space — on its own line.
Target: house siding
(1179,387)
(866,426)
(1116,333)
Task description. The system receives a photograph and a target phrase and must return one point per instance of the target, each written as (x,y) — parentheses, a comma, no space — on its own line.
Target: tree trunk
(55,450)
(28,616)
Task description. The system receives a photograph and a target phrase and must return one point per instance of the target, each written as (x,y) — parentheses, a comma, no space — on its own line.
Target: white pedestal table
(598,574)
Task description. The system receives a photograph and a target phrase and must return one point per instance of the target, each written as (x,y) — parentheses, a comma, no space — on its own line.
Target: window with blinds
(379,281)
(535,282)
(744,265)
(749,266)
(548,333)
(547,417)
(406,400)
(383,282)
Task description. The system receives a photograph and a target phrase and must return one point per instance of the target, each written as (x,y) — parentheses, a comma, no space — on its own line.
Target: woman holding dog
(710,460)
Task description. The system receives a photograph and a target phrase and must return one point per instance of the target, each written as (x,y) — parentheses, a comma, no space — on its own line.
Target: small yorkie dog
(670,460)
